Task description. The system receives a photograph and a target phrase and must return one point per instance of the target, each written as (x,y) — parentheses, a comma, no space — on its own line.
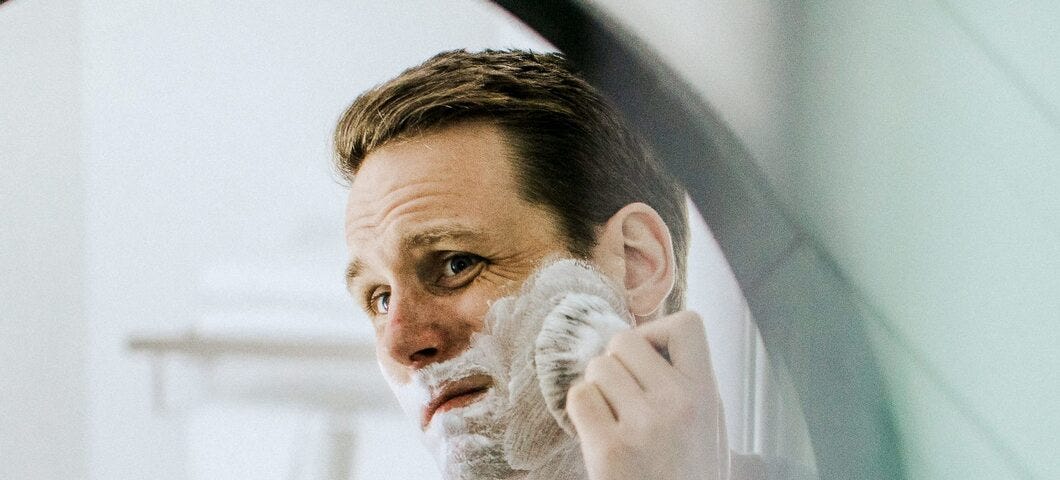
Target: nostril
(425,354)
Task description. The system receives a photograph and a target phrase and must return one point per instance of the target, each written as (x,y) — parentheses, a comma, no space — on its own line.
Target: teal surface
(926,160)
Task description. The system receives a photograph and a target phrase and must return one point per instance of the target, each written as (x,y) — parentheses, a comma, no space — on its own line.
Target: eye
(459,269)
(458,263)
(379,303)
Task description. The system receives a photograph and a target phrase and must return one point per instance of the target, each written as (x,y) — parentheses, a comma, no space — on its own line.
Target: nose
(421,330)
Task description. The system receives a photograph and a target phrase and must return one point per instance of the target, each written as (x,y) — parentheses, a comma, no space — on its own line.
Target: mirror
(173,305)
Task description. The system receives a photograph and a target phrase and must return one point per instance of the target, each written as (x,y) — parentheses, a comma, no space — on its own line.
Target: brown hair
(575,156)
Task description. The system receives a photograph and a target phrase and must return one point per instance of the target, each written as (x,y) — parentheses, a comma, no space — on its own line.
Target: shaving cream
(533,344)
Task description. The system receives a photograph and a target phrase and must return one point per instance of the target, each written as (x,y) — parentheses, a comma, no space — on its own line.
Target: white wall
(43,329)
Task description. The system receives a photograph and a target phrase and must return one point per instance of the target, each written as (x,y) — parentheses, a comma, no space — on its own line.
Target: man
(468,172)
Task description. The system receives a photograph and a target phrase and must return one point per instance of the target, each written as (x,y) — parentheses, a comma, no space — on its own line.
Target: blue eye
(381,303)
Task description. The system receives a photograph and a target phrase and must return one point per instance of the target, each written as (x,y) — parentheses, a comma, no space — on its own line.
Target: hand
(641,417)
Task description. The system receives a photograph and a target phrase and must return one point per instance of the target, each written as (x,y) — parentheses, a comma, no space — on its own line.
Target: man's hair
(574,154)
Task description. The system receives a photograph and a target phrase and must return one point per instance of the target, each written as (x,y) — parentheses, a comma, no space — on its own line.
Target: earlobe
(635,248)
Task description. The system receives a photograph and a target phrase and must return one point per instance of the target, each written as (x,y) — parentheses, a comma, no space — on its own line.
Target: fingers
(640,415)
(682,336)
(589,412)
(617,385)
(633,374)
(641,359)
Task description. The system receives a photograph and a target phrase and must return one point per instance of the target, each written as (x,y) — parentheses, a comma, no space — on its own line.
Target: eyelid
(458,280)
(368,301)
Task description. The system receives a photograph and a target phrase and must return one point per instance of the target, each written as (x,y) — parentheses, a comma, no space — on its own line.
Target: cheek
(411,395)
(393,372)
(473,304)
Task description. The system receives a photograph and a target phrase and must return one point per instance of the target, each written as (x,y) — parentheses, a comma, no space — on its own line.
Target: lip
(455,394)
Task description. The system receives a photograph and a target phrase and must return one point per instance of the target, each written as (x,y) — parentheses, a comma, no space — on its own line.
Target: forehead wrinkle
(440,233)
(384,207)
(368,213)
(396,200)
(420,209)
(422,237)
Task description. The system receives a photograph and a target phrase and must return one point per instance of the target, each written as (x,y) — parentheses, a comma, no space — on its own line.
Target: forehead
(459,175)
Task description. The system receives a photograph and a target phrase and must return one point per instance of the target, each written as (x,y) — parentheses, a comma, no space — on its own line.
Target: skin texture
(457,180)
(436,230)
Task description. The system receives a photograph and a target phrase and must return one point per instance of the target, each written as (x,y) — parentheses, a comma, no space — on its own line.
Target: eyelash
(372,300)
(465,275)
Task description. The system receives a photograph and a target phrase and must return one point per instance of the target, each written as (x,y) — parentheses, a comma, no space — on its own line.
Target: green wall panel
(926,159)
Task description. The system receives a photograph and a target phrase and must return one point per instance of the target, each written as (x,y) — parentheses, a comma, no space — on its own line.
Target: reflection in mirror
(194,323)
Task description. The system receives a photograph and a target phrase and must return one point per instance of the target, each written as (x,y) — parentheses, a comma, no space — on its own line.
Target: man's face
(436,231)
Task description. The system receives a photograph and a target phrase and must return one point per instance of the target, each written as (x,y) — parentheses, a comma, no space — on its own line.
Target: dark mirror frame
(805,310)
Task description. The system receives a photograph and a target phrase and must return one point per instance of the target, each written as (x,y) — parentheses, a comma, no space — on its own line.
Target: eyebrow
(425,238)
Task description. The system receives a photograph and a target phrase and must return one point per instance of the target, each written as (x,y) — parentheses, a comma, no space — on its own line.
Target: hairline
(520,168)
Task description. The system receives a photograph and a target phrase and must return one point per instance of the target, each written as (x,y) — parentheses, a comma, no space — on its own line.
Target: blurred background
(171,258)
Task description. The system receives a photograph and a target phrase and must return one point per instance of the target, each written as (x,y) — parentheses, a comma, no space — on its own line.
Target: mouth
(456,394)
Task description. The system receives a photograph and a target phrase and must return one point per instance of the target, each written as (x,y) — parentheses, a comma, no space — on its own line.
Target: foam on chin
(465,441)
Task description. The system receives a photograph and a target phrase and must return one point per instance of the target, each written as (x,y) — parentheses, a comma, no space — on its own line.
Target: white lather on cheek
(411,396)
(535,439)
(513,426)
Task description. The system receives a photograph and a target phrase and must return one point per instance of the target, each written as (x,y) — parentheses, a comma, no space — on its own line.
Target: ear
(634,248)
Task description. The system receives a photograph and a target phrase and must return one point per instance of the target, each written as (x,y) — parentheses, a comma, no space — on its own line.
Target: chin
(474,457)
(468,443)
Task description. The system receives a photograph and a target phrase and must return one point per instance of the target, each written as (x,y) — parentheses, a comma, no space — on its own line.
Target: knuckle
(676,404)
(690,318)
(684,408)
(673,381)
(620,340)
(688,322)
(577,394)
(577,402)
(596,367)
(616,451)
(639,425)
